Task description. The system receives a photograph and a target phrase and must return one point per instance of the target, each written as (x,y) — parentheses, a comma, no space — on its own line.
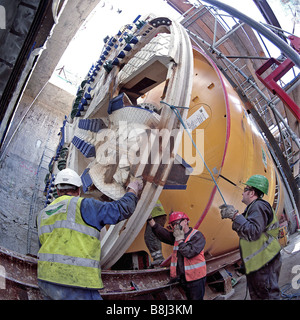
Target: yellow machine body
(233,150)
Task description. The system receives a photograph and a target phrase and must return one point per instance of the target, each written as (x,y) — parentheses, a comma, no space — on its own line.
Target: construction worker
(258,230)
(188,264)
(152,242)
(69,235)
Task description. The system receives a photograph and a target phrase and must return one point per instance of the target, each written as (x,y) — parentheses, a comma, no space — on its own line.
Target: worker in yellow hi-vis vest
(258,230)
(69,236)
(152,242)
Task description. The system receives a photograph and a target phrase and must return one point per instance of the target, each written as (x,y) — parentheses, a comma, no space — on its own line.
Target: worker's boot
(157,259)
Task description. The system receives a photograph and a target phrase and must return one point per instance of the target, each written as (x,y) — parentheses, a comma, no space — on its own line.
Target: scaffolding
(241,47)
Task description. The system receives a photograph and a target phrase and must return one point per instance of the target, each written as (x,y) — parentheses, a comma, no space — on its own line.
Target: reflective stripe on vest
(69,225)
(256,254)
(70,251)
(195,268)
(74,261)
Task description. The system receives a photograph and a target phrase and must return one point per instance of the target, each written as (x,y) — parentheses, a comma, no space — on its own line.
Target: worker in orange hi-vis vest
(188,264)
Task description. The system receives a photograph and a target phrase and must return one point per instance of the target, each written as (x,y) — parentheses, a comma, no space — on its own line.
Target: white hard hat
(69,177)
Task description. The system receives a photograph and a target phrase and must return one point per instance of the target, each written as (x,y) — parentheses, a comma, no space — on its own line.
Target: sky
(87,44)
(111,15)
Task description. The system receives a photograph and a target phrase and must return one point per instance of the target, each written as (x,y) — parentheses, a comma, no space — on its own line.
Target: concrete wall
(22,172)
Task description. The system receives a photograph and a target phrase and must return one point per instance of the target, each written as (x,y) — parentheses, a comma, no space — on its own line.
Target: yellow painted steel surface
(233,148)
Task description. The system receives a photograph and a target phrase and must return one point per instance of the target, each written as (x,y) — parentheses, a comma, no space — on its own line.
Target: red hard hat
(177,215)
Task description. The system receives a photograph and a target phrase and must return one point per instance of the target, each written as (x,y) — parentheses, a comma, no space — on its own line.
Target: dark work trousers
(52,291)
(151,240)
(263,283)
(194,290)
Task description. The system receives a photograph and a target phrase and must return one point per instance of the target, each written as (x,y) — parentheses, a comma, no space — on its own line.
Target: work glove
(136,185)
(228,211)
(178,233)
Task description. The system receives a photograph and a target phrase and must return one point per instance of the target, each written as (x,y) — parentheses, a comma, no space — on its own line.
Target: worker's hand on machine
(228,211)
(151,221)
(136,185)
(178,233)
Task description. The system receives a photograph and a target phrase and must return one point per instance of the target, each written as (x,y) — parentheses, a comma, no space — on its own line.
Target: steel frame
(260,99)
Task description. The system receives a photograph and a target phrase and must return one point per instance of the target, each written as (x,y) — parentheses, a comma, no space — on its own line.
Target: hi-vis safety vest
(70,251)
(256,254)
(195,268)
